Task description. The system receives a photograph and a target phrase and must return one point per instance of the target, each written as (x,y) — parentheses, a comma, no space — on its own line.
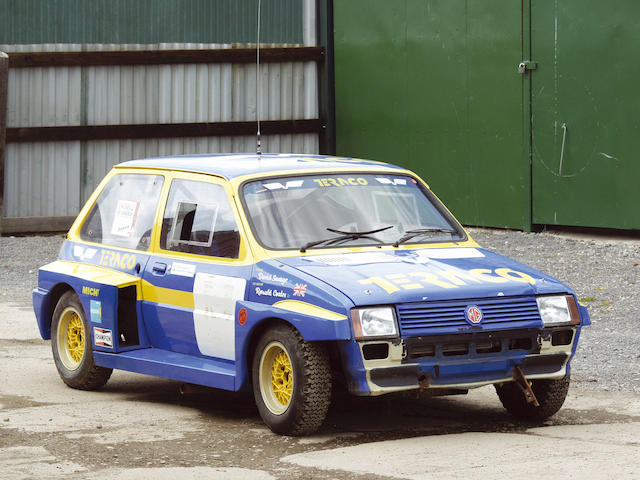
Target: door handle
(564,135)
(159,268)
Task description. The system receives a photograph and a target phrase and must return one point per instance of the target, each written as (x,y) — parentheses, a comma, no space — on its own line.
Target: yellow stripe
(92,273)
(308,309)
(168,296)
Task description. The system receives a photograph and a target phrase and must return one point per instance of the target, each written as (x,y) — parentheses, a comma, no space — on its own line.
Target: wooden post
(4,85)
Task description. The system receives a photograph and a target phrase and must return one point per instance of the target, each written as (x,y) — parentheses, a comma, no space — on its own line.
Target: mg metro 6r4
(286,273)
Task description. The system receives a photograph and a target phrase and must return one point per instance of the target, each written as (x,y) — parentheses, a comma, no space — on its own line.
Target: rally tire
(291,381)
(549,393)
(72,347)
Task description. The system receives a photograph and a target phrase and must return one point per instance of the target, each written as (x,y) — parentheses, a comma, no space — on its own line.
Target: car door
(198,270)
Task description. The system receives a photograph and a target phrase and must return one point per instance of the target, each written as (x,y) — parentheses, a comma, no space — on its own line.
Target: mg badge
(473,315)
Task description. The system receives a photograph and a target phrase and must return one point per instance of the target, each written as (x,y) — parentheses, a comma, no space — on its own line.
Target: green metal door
(586,120)
(433,85)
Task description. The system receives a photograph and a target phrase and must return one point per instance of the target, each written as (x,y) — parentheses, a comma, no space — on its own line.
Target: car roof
(237,165)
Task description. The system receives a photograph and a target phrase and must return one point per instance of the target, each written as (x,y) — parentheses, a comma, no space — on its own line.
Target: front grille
(445,317)
(473,344)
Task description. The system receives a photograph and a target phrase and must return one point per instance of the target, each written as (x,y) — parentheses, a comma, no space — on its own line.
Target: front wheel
(71,346)
(549,393)
(291,382)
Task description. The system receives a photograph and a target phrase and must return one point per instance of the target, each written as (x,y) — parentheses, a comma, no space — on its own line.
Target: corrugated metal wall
(148,21)
(54,179)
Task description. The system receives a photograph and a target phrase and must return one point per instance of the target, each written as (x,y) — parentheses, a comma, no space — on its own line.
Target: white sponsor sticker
(214,298)
(416,256)
(449,253)
(390,181)
(286,186)
(102,337)
(182,269)
(353,258)
(82,253)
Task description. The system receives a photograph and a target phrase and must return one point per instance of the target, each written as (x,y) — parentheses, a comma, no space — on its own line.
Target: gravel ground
(604,272)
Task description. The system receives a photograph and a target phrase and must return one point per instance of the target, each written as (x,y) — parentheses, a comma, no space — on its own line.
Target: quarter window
(198,219)
(124,213)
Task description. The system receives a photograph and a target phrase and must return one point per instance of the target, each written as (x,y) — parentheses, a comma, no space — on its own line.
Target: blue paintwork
(170,328)
(108,298)
(232,166)
(276,276)
(177,366)
(455,372)
(353,367)
(42,308)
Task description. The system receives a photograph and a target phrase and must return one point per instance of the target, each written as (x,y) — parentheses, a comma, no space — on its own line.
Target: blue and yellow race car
(287,274)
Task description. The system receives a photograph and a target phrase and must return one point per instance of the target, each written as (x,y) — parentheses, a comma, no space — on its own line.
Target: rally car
(287,274)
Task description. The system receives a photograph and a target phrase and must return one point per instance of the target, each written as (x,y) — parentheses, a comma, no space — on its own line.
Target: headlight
(374,322)
(558,310)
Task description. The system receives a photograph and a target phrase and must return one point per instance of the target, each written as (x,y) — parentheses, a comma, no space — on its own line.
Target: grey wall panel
(42,179)
(54,179)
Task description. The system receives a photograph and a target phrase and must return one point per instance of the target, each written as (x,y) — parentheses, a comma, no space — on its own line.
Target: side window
(198,219)
(124,213)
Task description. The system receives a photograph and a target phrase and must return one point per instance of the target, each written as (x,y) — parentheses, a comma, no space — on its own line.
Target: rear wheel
(71,346)
(549,393)
(291,382)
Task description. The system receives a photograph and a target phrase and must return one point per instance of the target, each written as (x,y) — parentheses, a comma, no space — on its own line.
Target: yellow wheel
(291,381)
(276,378)
(72,347)
(70,336)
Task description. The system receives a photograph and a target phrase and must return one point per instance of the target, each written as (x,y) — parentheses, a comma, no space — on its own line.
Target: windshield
(344,210)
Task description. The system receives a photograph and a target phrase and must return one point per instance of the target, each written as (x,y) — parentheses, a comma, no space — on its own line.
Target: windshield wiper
(344,237)
(409,234)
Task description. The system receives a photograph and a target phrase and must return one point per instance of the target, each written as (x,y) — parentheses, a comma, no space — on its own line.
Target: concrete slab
(577,451)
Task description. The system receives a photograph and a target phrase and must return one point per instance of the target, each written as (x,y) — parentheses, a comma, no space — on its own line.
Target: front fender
(314,324)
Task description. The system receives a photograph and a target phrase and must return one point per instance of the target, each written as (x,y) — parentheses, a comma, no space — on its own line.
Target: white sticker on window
(124,220)
(214,298)
(286,186)
(389,181)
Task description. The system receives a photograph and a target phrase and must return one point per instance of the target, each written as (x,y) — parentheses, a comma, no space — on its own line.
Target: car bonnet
(370,278)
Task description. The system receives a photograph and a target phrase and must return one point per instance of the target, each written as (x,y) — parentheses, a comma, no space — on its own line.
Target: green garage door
(586,113)
(433,85)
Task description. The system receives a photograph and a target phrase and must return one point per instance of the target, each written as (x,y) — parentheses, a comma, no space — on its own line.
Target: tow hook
(423,381)
(523,383)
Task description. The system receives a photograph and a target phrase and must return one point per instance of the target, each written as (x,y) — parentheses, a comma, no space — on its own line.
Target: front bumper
(463,361)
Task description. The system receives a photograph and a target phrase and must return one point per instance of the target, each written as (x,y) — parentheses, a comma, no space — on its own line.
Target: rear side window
(124,213)
(198,219)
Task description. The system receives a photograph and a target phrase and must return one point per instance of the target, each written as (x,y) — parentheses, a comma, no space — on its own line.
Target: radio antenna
(258,149)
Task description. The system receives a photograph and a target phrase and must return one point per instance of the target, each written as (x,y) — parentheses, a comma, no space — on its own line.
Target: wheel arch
(49,306)
(254,338)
